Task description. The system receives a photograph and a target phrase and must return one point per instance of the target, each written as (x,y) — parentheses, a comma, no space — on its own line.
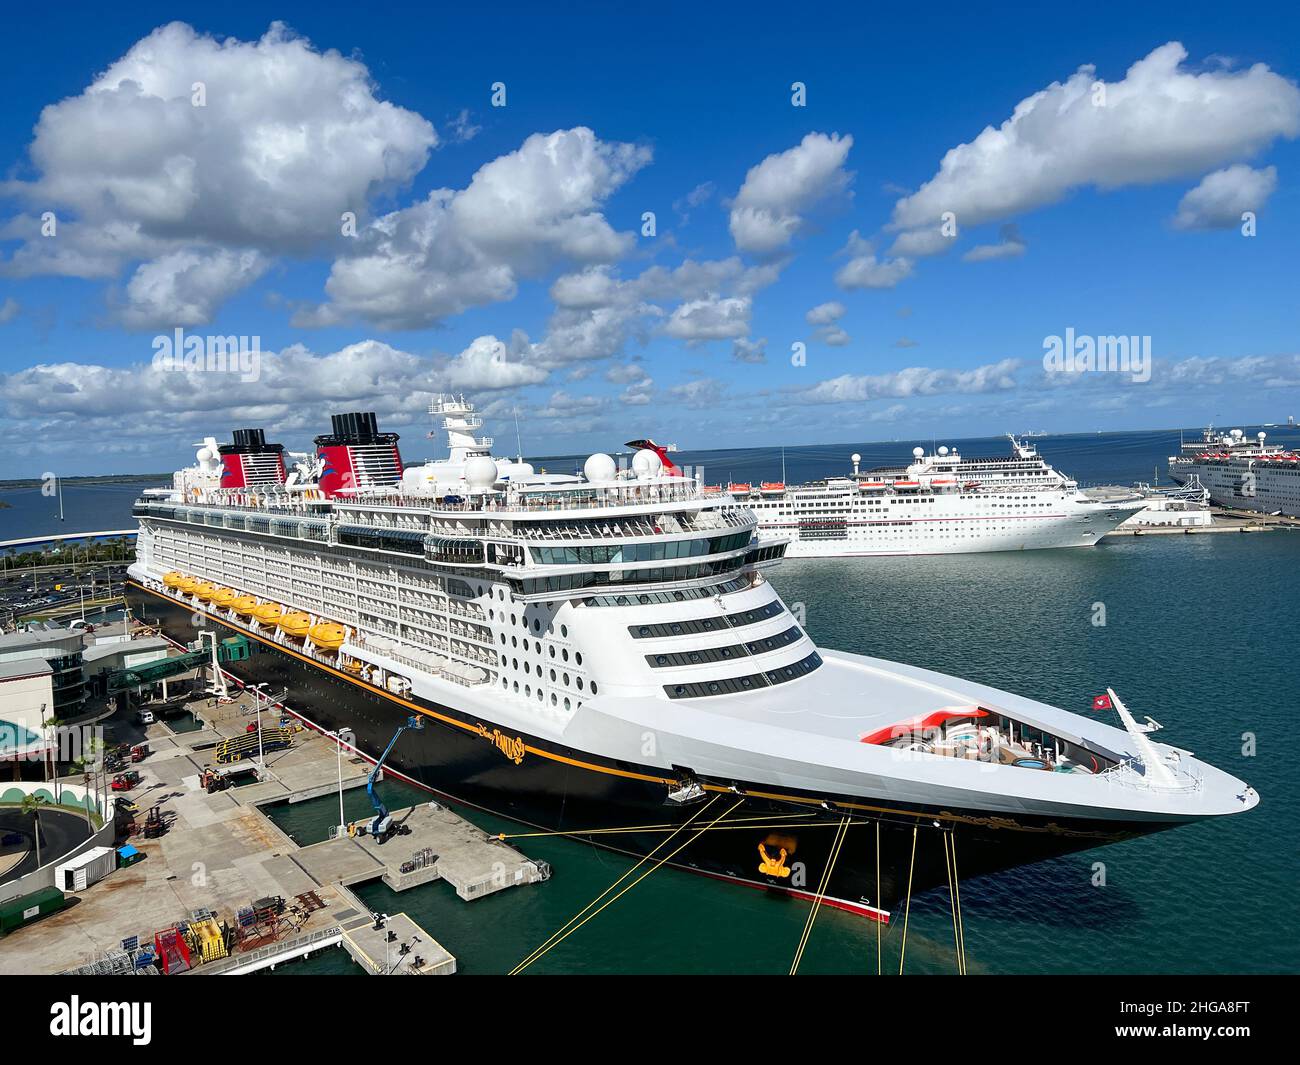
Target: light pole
(257,701)
(342,736)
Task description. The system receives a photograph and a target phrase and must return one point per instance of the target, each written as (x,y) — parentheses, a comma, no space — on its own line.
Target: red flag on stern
(1102,702)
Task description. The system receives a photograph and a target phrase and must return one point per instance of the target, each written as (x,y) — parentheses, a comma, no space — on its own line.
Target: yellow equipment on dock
(237,748)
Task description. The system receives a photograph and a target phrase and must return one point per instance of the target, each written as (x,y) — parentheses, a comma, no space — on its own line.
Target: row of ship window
(724,654)
(603,554)
(735,685)
(695,626)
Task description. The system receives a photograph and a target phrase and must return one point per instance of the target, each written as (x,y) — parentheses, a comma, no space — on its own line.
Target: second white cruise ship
(940,503)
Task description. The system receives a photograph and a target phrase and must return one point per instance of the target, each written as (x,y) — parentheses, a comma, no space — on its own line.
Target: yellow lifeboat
(328,635)
(245,604)
(295,623)
(173,579)
(224,596)
(268,613)
(205,590)
(187,585)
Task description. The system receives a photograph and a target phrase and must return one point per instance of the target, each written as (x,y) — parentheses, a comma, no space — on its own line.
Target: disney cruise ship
(940,503)
(603,655)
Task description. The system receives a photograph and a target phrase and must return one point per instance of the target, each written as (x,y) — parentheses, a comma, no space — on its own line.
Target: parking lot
(27,593)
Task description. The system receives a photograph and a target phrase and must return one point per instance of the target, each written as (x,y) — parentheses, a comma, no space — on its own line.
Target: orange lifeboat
(773,486)
(205,590)
(187,585)
(295,624)
(712,489)
(269,613)
(224,596)
(327,635)
(173,579)
(740,487)
(245,605)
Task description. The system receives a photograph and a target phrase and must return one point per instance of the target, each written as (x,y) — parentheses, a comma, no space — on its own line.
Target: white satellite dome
(205,455)
(917,452)
(480,472)
(600,467)
(943,450)
(647,464)
(519,470)
(855,458)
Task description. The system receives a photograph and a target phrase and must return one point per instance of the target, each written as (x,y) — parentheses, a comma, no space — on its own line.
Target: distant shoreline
(117,478)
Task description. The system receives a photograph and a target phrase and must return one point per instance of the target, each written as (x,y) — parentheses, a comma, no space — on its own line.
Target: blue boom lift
(381,825)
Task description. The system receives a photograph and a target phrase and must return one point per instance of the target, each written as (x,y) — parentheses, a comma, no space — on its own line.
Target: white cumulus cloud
(768,210)
(1220,199)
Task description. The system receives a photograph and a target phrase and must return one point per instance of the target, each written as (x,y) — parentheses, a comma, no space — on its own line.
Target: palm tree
(32,805)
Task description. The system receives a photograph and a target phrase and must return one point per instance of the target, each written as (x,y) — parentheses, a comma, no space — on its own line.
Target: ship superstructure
(940,503)
(1241,471)
(603,655)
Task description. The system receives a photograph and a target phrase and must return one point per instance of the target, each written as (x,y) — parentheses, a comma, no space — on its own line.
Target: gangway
(232,649)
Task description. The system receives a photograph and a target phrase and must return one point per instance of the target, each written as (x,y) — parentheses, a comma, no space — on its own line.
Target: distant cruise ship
(939,504)
(1242,472)
(603,656)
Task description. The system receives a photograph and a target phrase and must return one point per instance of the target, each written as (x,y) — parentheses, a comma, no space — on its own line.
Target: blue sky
(529,285)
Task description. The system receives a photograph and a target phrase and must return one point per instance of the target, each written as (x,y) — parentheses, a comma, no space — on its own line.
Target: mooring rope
(879,898)
(907,910)
(836,844)
(556,939)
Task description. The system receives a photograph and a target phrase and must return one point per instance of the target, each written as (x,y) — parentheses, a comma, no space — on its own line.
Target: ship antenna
(783,464)
(519,443)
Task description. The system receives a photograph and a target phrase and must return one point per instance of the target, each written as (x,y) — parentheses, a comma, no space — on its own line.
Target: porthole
(505,683)
(516,687)
(513,619)
(713,686)
(566,679)
(554,699)
(539,671)
(566,704)
(552,649)
(643,631)
(593,687)
(678,690)
(528,691)
(564,631)
(579,684)
(578,657)
(552,676)
(539,695)
(537,625)
(565,655)
(661,660)
(514,662)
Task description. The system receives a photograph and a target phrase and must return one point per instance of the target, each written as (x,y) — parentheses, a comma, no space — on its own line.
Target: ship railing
(1126,775)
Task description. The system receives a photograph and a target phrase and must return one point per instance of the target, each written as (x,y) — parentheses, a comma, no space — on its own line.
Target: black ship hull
(885,849)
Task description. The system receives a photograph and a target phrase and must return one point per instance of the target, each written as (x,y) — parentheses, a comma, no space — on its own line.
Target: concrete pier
(438,845)
(397,947)
(220,853)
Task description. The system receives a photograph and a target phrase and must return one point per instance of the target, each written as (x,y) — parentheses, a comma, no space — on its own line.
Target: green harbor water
(1199,633)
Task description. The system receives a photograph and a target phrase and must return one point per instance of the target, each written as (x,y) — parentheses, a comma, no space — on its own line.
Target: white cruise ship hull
(952,525)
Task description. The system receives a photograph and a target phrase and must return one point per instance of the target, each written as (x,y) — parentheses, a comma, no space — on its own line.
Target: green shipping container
(27,908)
